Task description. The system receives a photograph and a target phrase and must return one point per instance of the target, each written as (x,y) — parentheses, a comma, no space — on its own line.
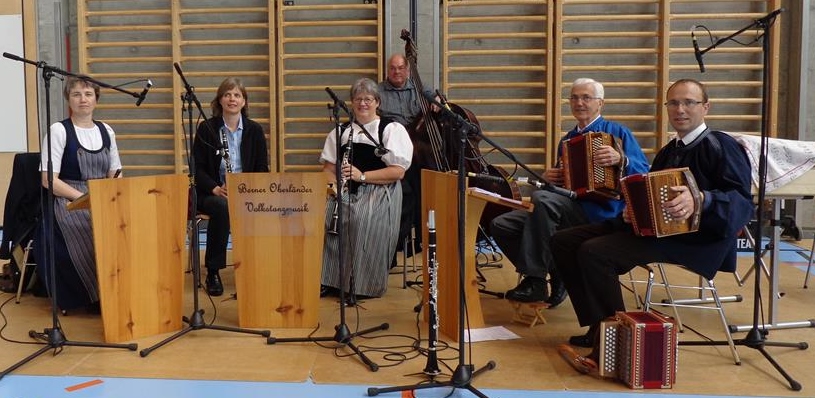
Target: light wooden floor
(530,362)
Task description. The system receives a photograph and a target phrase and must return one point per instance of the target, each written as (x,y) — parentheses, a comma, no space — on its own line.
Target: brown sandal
(580,363)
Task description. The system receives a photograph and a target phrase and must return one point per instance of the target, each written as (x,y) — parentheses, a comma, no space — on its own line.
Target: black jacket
(23,201)
(254,153)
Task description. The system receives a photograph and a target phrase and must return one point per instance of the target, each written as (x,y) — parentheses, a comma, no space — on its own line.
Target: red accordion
(644,195)
(639,349)
(580,173)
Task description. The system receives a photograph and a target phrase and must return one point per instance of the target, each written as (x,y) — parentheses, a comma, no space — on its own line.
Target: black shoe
(586,340)
(326,291)
(581,341)
(93,308)
(350,300)
(530,290)
(558,293)
(215,287)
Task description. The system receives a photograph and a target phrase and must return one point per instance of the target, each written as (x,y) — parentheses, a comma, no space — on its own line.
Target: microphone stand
(541,183)
(464,372)
(53,336)
(342,334)
(756,337)
(196,320)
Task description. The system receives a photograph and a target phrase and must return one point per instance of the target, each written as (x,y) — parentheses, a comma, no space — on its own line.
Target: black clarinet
(432,367)
(225,151)
(346,159)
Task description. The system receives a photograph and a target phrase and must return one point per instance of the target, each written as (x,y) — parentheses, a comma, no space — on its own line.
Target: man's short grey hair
(599,91)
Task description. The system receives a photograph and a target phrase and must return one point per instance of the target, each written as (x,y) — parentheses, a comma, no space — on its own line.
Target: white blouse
(89,138)
(395,138)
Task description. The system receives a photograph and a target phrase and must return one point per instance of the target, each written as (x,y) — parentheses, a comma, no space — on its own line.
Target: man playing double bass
(524,237)
(400,102)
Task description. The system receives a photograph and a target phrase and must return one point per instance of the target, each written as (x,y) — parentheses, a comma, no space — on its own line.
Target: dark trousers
(525,237)
(217,230)
(590,258)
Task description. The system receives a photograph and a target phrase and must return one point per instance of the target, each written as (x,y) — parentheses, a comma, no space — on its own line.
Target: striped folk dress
(370,229)
(74,228)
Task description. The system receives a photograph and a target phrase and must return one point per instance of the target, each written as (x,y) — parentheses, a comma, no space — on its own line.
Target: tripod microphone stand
(756,336)
(53,336)
(196,320)
(464,372)
(342,333)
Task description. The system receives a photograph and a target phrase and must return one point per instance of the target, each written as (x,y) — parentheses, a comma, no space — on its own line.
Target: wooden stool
(529,313)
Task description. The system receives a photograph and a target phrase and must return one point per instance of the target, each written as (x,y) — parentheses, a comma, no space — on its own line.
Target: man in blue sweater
(524,237)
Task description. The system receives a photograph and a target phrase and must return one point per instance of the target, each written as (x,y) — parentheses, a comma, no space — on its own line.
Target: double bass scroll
(440,136)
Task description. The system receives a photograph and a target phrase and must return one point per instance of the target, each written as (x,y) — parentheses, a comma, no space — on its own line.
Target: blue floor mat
(787,252)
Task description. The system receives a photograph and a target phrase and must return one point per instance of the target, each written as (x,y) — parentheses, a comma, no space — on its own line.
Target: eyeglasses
(584,98)
(688,103)
(366,100)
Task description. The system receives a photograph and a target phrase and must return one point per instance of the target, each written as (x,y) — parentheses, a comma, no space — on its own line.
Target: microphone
(547,186)
(144,92)
(485,177)
(696,51)
(337,100)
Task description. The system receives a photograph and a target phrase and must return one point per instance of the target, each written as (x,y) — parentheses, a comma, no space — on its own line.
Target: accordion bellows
(582,175)
(644,195)
(639,349)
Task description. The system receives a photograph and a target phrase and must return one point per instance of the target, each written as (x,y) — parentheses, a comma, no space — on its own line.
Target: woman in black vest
(82,149)
(381,152)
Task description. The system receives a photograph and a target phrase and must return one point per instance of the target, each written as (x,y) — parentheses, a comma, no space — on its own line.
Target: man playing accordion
(589,258)
(524,237)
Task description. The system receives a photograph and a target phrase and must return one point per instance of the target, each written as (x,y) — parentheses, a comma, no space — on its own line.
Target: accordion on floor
(580,173)
(639,349)
(644,195)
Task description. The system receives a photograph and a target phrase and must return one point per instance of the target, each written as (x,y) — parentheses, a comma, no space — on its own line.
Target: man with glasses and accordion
(590,258)
(524,237)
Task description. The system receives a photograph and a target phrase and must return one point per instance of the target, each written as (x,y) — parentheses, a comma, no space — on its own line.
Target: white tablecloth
(786,159)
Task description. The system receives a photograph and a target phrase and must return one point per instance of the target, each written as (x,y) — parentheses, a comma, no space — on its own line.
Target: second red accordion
(644,195)
(580,173)
(639,349)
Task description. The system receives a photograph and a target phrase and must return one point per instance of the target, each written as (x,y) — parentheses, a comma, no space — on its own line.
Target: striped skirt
(370,230)
(76,230)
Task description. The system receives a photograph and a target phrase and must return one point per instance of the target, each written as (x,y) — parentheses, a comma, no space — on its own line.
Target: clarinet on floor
(225,150)
(432,367)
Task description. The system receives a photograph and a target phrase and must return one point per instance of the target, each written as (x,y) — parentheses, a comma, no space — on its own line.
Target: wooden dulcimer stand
(139,228)
(439,193)
(278,226)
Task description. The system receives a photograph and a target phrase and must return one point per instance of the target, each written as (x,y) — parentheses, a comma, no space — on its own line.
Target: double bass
(436,145)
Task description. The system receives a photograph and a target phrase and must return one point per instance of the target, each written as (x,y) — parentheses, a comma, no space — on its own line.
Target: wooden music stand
(439,194)
(278,226)
(139,237)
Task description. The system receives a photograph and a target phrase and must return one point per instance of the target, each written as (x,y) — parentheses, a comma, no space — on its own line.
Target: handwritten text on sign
(277,204)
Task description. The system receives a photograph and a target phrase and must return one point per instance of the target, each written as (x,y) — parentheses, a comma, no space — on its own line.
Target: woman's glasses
(364,100)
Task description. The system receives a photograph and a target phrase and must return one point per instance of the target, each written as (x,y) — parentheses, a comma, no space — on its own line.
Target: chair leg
(671,299)
(23,269)
(634,289)
(21,282)
(704,285)
(809,266)
(719,307)
(648,288)
(404,260)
